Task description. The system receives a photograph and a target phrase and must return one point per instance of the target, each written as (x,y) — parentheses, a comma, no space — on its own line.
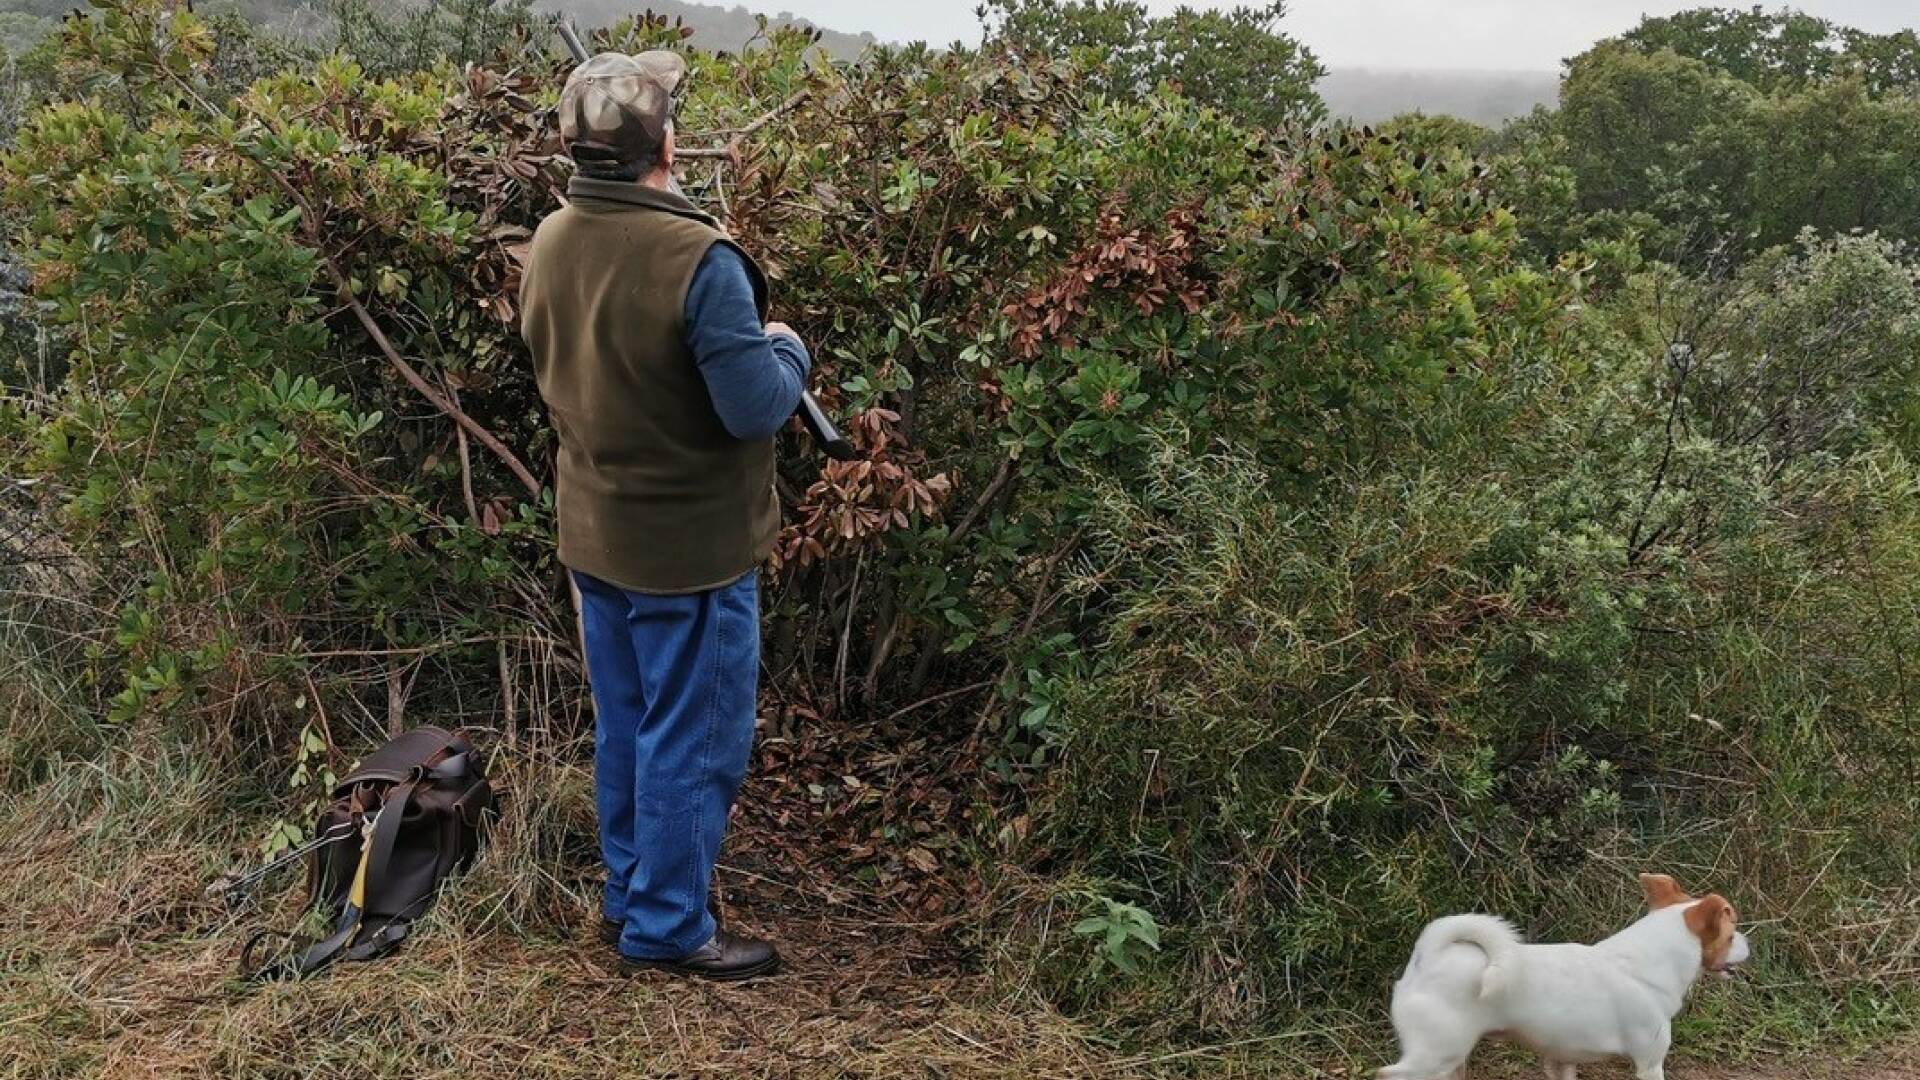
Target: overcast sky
(1486,34)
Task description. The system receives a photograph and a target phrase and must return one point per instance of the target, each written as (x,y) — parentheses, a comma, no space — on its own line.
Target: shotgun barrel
(812,416)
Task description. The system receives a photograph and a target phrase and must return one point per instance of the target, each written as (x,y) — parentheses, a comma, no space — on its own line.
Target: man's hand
(782,328)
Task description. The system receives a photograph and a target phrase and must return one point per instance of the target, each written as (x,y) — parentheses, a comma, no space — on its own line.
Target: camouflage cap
(616,108)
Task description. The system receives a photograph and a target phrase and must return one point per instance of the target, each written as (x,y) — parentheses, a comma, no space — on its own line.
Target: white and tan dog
(1471,977)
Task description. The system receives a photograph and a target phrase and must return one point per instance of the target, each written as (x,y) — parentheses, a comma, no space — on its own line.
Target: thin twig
(320,713)
(794,101)
(1001,478)
(730,152)
(846,631)
(486,438)
(401,650)
(942,696)
(1042,601)
(466,460)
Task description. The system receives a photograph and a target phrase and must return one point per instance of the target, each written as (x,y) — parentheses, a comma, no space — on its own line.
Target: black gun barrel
(832,443)
(572,39)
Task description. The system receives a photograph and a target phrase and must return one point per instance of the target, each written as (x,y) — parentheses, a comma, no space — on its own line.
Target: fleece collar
(618,191)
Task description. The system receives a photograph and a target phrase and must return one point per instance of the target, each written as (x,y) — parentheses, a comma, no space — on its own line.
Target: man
(665,388)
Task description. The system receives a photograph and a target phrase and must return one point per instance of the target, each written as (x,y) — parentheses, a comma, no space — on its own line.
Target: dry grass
(113,964)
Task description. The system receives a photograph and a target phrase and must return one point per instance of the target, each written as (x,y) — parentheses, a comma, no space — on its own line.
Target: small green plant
(313,778)
(1123,935)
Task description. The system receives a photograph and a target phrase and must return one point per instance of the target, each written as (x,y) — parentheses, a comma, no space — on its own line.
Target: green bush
(1645,612)
(1293,555)
(1784,48)
(1004,285)
(1234,59)
(1716,135)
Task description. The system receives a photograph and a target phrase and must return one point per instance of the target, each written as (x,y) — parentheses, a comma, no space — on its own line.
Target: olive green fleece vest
(653,494)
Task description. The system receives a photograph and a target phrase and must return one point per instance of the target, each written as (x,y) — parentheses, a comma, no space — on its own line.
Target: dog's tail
(1495,937)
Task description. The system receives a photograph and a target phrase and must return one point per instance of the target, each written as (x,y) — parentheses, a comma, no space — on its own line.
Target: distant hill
(714,27)
(1485,97)
(1362,94)
(22,22)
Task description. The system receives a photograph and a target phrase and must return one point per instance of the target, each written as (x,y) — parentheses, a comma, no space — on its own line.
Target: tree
(1233,60)
(1757,47)
(1887,63)
(1433,131)
(1783,50)
(392,38)
(1630,120)
(1730,131)
(1830,158)
(1700,159)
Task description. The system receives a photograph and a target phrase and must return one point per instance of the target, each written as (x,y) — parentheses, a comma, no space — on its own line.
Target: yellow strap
(357,896)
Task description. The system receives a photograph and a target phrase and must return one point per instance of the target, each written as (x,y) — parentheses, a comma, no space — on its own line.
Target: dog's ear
(1662,891)
(1711,920)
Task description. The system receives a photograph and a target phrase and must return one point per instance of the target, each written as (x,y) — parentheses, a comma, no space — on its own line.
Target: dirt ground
(1903,1068)
(1893,1066)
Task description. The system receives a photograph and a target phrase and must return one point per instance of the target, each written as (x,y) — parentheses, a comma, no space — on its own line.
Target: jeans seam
(715,677)
(590,591)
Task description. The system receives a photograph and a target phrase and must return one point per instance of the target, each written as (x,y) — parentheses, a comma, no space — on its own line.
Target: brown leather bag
(411,815)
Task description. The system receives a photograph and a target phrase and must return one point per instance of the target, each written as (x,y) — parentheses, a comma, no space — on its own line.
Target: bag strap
(392,933)
(379,854)
(309,960)
(385,831)
(373,868)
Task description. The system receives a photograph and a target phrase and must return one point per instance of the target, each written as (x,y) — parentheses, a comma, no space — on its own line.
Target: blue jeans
(673,681)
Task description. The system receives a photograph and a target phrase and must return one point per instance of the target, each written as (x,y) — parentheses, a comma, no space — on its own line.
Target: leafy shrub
(1175,423)
(1719,134)
(1497,673)
(1235,60)
(286,509)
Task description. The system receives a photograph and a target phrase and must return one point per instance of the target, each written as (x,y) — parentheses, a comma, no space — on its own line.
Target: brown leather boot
(727,958)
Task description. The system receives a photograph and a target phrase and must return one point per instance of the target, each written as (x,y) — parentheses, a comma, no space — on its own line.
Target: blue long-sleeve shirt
(755,378)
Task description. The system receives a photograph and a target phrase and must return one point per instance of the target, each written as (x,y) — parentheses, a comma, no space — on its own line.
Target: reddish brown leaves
(1152,270)
(856,501)
(884,811)
(511,175)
